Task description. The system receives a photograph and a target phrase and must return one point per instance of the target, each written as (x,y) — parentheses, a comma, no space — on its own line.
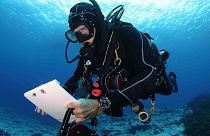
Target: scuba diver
(122,57)
(118,65)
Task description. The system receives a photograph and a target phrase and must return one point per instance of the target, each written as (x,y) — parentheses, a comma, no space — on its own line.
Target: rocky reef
(165,121)
(197,116)
(3,133)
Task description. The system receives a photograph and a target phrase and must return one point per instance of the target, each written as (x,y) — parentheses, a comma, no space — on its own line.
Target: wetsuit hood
(91,16)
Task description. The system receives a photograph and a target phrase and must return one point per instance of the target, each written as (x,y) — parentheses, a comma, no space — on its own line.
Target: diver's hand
(85,109)
(38,110)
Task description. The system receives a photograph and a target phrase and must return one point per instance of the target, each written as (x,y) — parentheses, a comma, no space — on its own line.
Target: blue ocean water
(32,44)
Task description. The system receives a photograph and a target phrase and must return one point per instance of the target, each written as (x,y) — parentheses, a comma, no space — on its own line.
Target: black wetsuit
(138,60)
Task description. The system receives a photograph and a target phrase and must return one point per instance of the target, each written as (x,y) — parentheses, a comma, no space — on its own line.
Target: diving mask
(71,36)
(75,37)
(81,30)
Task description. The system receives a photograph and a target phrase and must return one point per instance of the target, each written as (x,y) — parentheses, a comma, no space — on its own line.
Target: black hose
(110,15)
(96,5)
(66,54)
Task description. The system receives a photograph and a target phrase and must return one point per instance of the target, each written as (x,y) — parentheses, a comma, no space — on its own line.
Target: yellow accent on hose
(152,110)
(117,60)
(85,72)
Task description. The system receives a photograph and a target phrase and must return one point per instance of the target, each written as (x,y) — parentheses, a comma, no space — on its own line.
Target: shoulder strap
(114,23)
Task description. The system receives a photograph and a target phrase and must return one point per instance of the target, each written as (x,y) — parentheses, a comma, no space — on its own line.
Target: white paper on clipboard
(51,98)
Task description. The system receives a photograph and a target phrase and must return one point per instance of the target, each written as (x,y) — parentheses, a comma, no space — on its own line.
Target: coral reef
(197,116)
